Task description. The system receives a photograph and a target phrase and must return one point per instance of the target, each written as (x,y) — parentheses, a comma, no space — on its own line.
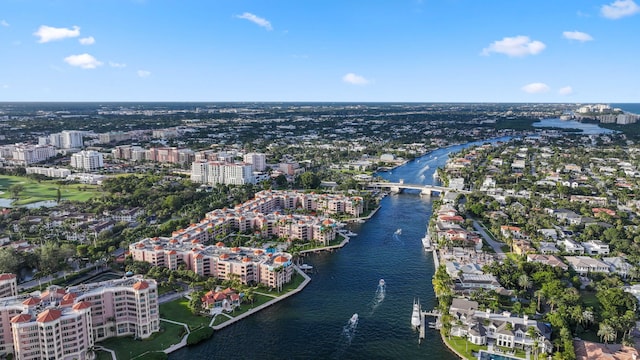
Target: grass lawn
(590,299)
(178,310)
(463,347)
(127,347)
(35,191)
(258,300)
(103,355)
(296,280)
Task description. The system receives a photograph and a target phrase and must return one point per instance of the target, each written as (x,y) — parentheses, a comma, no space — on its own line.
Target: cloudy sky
(320,50)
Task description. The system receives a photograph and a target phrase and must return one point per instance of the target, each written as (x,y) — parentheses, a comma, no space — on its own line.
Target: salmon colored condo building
(264,216)
(65,323)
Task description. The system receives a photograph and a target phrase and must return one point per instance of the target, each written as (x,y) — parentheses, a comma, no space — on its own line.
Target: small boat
(381,283)
(306,267)
(354,320)
(415,315)
(426,242)
(398,232)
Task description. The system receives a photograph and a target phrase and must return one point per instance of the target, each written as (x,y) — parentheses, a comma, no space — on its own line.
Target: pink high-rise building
(65,323)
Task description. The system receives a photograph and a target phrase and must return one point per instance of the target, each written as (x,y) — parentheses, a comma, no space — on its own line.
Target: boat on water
(398,232)
(415,315)
(426,242)
(354,320)
(306,267)
(381,283)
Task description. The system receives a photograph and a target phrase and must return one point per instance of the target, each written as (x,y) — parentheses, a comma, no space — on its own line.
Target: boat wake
(379,296)
(347,335)
(349,330)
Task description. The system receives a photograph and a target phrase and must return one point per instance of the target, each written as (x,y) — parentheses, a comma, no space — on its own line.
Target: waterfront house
(499,329)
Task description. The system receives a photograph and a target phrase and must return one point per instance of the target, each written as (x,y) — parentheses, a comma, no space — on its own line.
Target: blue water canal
(314,323)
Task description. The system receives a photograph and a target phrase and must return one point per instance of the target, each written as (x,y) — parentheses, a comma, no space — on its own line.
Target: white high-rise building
(29,154)
(216,172)
(258,160)
(88,160)
(68,139)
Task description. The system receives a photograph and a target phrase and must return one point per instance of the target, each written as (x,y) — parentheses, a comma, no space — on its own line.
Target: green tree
(309,180)
(16,189)
(9,260)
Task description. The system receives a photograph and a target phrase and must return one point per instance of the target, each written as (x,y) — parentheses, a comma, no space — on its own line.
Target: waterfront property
(249,265)
(503,329)
(65,323)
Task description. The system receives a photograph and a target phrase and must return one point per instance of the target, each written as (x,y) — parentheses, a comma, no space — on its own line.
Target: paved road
(497,246)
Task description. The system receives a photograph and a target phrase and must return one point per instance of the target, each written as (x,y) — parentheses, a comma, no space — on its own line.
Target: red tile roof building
(65,323)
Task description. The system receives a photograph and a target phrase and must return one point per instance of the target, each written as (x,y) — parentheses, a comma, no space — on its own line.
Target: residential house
(570,246)
(595,247)
(547,248)
(618,265)
(501,329)
(550,260)
(584,265)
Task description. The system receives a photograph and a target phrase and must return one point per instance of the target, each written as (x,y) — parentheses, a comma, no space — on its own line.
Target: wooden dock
(423,326)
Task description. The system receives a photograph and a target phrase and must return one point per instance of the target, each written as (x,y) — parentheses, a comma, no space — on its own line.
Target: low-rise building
(595,247)
(584,265)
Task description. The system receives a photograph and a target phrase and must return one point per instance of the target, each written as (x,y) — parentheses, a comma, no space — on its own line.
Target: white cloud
(256,20)
(567,90)
(144,73)
(577,35)
(619,9)
(4,23)
(116,65)
(87,41)
(354,79)
(515,46)
(536,88)
(48,33)
(84,61)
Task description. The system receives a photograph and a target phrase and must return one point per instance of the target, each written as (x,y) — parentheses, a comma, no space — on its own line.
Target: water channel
(313,323)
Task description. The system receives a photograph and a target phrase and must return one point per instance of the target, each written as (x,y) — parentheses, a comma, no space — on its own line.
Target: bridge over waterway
(424,189)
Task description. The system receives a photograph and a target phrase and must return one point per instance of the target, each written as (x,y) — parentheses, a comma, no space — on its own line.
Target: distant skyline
(581,51)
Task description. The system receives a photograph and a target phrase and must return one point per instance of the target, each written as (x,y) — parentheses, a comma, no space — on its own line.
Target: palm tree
(606,332)
(540,295)
(524,282)
(587,316)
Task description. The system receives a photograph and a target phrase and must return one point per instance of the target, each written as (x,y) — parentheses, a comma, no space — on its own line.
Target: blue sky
(320,50)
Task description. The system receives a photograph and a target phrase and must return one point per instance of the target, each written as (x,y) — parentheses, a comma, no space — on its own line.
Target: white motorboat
(381,283)
(426,242)
(306,267)
(415,316)
(354,320)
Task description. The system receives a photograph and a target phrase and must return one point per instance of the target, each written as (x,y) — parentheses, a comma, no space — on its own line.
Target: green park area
(28,190)
(129,348)
(178,310)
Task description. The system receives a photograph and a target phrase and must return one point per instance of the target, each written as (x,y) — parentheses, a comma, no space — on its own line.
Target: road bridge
(397,187)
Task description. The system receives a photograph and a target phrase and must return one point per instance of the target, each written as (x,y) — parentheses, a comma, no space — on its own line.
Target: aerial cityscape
(299,180)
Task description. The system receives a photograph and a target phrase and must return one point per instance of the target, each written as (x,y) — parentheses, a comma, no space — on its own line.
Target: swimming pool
(489,356)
